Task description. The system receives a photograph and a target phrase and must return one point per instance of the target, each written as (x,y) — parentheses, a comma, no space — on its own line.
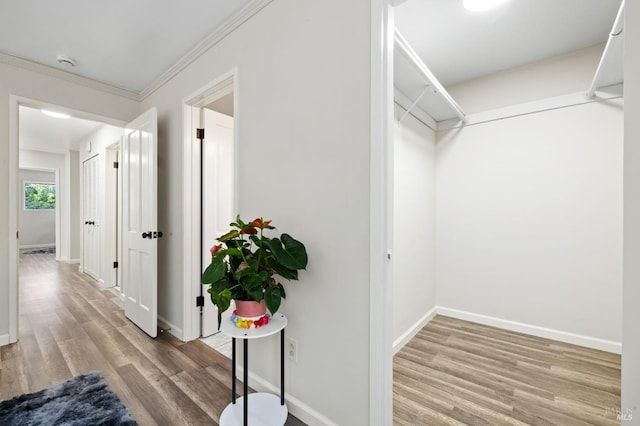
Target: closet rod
(618,26)
(413,57)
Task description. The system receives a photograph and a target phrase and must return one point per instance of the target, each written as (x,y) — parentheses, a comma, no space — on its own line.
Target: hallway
(68,326)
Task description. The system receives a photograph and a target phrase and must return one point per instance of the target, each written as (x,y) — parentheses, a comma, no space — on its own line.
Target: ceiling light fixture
(481,5)
(54,114)
(67,61)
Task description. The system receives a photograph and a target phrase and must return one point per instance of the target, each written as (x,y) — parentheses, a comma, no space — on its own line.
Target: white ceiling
(130,44)
(41,132)
(124,43)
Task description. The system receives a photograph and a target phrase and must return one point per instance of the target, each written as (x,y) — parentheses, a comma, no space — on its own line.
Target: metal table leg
(233,370)
(282,367)
(246,381)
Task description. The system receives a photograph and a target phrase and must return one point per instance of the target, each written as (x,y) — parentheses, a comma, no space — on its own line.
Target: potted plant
(245,265)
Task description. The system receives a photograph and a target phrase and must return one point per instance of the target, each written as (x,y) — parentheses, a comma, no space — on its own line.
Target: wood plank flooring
(456,372)
(68,326)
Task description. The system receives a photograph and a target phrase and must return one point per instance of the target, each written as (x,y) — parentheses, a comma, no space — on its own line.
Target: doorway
(213,108)
(24,152)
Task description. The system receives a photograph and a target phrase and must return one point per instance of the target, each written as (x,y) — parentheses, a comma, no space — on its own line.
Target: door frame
(15,102)
(112,212)
(381,214)
(192,252)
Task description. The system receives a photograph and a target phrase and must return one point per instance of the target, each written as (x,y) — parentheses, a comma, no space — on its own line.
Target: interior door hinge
(200,134)
(115,165)
(200,301)
(115,264)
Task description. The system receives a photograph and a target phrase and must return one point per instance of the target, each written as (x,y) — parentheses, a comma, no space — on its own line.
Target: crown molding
(214,38)
(67,76)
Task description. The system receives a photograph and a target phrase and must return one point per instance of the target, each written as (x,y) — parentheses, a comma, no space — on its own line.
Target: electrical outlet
(292,349)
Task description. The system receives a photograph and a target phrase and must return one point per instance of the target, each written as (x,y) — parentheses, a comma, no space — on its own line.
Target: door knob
(146,235)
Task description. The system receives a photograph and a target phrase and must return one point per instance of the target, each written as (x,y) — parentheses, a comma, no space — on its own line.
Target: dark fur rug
(83,400)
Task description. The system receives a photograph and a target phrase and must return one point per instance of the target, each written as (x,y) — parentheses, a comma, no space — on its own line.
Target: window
(39,196)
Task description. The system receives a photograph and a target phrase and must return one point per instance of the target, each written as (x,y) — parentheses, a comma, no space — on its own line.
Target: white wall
(414,249)
(302,160)
(20,81)
(37,227)
(559,75)
(72,165)
(529,219)
(631,289)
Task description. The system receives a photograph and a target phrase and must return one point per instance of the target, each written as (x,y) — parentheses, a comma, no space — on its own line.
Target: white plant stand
(260,408)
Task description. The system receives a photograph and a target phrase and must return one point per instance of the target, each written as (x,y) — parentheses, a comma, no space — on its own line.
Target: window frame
(24,195)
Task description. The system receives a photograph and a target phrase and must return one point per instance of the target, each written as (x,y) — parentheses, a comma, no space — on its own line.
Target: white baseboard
(67,260)
(296,407)
(413,330)
(4,339)
(170,328)
(562,336)
(37,246)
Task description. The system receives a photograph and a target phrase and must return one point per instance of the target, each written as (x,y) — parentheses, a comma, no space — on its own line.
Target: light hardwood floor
(68,326)
(457,372)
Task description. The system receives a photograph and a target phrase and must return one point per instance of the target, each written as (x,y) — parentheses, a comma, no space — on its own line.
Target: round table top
(276,323)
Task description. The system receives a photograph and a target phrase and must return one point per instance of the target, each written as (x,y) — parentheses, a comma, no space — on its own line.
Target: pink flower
(215,249)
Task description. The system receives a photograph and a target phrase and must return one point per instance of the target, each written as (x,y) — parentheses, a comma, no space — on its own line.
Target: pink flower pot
(250,308)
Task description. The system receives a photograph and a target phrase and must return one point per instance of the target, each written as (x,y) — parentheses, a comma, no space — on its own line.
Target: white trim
(191,187)
(14,148)
(296,407)
(214,38)
(4,339)
(170,328)
(406,337)
(67,76)
(564,101)
(381,216)
(534,330)
(32,246)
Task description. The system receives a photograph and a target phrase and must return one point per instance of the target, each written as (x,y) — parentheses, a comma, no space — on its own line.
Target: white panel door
(217,205)
(90,222)
(139,221)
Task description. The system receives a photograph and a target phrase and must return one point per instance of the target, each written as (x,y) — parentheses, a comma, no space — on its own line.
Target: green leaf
(281,287)
(215,271)
(256,294)
(289,274)
(229,236)
(220,285)
(222,300)
(289,252)
(272,298)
